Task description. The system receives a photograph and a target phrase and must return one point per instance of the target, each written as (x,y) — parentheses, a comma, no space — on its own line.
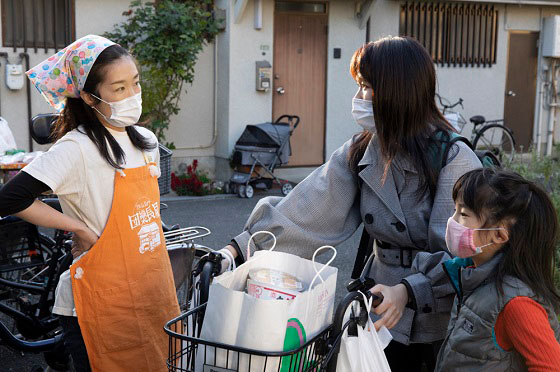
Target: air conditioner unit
(551,37)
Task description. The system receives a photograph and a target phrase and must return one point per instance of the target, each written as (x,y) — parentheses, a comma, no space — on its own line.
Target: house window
(37,23)
(454,34)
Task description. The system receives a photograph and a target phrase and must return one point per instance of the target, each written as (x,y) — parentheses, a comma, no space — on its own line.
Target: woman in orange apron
(104,169)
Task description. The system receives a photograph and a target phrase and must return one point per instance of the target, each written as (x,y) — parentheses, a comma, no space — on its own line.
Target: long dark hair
(76,112)
(403,79)
(499,196)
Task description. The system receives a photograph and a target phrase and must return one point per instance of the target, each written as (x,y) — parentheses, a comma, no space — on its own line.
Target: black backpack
(487,159)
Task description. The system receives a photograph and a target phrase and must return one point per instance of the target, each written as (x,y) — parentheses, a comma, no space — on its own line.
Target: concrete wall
(344,33)
(238,102)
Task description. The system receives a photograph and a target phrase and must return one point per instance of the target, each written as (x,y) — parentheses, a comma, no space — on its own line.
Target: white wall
(344,33)
(238,102)
(482,88)
(246,104)
(192,129)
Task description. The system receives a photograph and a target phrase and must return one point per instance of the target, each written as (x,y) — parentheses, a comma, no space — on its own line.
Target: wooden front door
(300,62)
(519,106)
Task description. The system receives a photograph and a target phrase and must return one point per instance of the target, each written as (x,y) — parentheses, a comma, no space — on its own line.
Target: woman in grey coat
(389,178)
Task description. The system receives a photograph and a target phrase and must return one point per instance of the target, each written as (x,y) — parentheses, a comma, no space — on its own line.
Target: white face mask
(125,112)
(362,111)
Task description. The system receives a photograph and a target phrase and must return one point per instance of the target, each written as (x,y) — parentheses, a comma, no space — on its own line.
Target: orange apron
(123,287)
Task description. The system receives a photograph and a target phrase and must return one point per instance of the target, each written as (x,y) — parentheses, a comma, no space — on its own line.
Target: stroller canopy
(264,135)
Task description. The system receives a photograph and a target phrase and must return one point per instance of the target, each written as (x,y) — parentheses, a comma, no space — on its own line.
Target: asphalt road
(225,217)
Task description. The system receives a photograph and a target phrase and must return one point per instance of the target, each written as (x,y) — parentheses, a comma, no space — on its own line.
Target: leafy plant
(192,183)
(166,38)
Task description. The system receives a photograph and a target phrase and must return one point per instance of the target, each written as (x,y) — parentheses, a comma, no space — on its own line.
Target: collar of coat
(371,173)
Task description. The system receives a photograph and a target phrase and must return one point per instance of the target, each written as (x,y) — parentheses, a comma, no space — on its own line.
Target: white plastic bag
(7,140)
(364,353)
(233,317)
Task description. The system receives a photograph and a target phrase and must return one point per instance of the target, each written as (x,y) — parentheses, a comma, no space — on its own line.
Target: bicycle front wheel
(498,140)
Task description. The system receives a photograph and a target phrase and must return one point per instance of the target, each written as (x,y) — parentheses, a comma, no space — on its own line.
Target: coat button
(426,309)
(368,218)
(400,226)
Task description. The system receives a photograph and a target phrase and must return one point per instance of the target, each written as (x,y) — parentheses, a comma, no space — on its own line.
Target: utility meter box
(264,76)
(14,76)
(551,37)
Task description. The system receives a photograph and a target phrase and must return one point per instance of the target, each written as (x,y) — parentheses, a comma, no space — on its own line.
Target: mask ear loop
(479,249)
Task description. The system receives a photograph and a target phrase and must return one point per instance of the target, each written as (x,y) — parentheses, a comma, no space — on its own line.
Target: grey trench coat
(324,209)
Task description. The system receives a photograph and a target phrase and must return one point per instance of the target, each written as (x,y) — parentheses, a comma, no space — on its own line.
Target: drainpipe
(27,86)
(5,55)
(539,104)
(552,105)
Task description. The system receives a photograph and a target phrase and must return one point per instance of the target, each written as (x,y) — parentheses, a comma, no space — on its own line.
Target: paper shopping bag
(233,317)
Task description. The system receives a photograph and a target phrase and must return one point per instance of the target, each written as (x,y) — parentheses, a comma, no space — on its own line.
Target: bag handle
(260,233)
(318,272)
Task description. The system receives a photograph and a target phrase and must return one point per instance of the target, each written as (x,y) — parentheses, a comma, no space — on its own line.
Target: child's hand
(392,307)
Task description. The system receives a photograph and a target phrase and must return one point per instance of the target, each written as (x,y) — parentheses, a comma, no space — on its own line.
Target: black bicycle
(30,267)
(487,135)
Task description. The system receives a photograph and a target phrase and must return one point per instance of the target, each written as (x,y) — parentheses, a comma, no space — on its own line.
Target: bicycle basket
(21,246)
(188,352)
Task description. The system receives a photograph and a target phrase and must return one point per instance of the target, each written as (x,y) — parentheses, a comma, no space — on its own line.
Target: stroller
(260,149)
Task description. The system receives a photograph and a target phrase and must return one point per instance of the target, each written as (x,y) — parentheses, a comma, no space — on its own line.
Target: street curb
(207,197)
(216,197)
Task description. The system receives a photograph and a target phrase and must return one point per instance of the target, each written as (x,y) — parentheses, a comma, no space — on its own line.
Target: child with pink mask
(503,236)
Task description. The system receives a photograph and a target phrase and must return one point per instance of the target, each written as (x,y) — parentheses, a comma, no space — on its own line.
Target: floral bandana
(65,73)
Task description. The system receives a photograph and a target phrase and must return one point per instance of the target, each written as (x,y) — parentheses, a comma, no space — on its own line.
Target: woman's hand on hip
(84,239)
(392,307)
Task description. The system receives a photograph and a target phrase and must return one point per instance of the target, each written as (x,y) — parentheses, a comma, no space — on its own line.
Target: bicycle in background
(487,135)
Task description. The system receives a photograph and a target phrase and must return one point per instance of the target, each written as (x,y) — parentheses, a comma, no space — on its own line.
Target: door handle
(280,90)
(511,93)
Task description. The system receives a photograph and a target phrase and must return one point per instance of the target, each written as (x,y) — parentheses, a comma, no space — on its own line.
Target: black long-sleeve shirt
(19,193)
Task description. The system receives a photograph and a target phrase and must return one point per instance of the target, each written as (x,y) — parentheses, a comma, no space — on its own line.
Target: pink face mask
(460,239)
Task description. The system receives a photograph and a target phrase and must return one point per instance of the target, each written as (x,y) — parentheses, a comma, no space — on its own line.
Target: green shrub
(166,38)
(545,171)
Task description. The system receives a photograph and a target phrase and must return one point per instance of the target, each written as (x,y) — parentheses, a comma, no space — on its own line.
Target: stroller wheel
(249,191)
(286,188)
(241,191)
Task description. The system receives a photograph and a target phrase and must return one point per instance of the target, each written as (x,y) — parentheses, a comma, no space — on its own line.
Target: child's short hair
(499,196)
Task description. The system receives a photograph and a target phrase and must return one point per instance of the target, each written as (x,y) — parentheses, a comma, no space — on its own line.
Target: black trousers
(413,357)
(74,343)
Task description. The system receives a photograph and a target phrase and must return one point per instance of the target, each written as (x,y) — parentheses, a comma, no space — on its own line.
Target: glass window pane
(287,6)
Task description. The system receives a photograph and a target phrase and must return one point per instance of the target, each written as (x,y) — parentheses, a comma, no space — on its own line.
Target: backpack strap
(446,145)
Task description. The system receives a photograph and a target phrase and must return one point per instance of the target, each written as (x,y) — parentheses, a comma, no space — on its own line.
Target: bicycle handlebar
(445,107)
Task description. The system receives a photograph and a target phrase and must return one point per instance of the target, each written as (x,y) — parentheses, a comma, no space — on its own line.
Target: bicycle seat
(478,119)
(41,128)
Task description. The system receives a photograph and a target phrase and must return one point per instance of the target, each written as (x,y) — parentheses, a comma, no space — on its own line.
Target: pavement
(225,216)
